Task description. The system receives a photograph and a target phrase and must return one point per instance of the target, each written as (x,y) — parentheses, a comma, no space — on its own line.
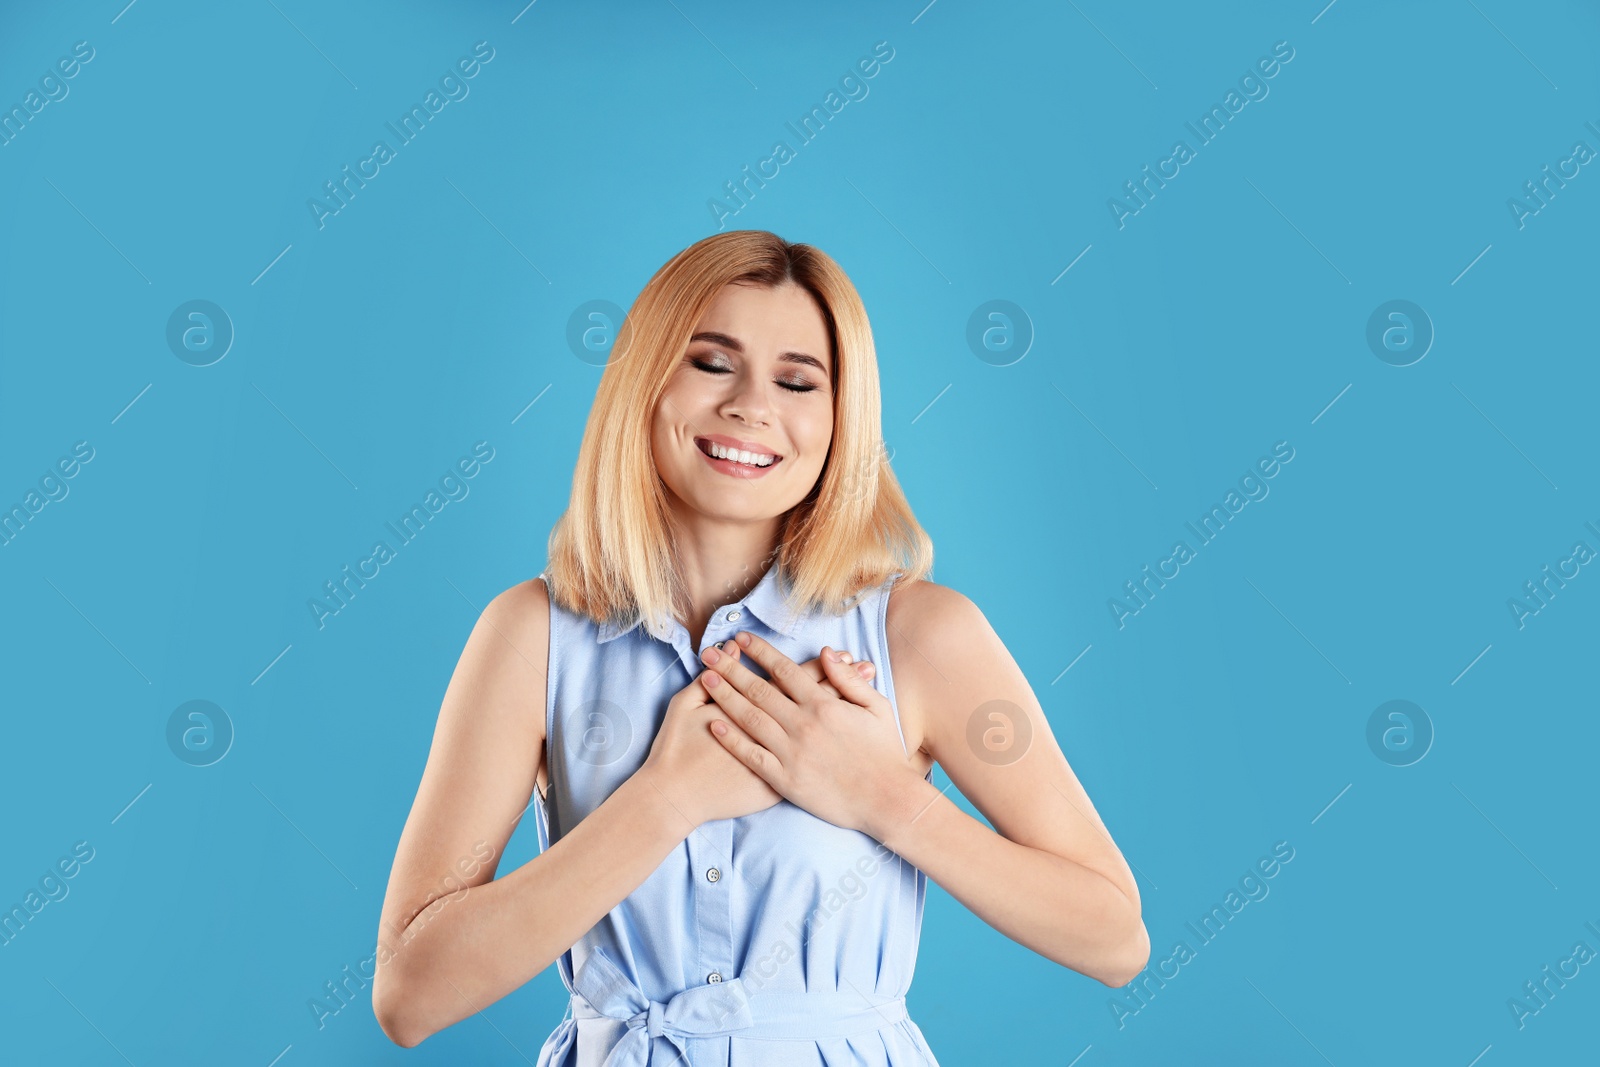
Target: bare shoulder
(524,606)
(486,758)
(929,603)
(977,716)
(520,616)
(928,624)
(518,631)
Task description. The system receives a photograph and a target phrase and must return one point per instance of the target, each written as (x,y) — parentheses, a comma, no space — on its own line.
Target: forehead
(768,321)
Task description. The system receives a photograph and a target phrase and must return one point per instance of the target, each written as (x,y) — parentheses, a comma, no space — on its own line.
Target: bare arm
(448,948)
(453,938)
(1048,876)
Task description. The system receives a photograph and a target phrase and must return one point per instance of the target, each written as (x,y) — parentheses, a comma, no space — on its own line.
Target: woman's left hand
(838,757)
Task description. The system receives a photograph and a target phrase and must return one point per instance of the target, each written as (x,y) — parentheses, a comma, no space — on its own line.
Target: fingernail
(711,655)
(864,669)
(845,657)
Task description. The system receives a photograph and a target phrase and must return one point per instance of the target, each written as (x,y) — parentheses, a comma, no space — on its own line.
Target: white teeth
(749,459)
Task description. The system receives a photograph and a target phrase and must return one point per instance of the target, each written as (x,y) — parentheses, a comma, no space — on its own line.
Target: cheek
(814,436)
(663,446)
(684,405)
(673,410)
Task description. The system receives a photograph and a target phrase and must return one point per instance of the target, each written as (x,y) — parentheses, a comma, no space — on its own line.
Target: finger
(786,675)
(697,683)
(772,696)
(863,668)
(813,668)
(762,728)
(696,692)
(848,679)
(815,671)
(827,686)
(746,751)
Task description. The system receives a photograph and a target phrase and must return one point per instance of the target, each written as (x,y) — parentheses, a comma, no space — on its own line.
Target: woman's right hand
(693,771)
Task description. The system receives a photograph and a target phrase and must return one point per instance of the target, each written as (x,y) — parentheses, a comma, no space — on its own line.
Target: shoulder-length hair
(612,553)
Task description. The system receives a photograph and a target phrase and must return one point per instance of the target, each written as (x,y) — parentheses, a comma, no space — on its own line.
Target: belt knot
(602,989)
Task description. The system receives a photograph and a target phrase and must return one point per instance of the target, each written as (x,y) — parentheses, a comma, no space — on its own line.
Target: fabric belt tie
(602,990)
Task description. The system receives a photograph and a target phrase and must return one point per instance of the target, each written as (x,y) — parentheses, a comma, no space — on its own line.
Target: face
(756,386)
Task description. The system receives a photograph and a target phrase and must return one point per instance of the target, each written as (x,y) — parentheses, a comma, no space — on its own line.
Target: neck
(720,562)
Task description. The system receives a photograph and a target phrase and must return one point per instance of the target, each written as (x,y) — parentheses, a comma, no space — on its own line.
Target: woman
(734,844)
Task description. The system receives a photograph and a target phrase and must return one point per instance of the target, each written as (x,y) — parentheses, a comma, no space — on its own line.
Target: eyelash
(711,368)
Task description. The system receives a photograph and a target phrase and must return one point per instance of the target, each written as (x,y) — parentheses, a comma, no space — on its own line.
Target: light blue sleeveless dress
(771,940)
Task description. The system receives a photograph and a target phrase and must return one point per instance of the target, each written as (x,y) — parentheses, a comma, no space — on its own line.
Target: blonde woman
(736,828)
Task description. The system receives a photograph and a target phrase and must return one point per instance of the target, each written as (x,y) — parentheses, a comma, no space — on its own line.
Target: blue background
(1227,315)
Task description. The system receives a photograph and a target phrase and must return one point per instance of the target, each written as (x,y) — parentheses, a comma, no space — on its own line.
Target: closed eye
(794,385)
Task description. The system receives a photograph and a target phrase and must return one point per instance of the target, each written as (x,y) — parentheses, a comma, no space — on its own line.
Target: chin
(730,508)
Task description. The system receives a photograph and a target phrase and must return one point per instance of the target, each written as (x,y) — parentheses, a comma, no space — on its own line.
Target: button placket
(710,846)
(727,615)
(711,851)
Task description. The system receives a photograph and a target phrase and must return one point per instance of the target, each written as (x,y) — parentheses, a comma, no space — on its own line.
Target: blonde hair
(612,552)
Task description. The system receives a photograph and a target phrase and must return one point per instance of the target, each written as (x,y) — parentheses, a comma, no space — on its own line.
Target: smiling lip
(733,442)
(730,468)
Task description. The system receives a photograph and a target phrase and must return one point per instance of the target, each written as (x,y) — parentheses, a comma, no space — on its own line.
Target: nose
(750,402)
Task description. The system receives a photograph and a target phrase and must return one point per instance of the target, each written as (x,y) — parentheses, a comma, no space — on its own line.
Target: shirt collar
(766,602)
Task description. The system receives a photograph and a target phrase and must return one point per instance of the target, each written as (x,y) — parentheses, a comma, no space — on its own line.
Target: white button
(734,616)
(713,977)
(713,875)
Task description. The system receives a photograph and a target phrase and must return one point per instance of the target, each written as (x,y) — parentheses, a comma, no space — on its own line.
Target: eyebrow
(732,342)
